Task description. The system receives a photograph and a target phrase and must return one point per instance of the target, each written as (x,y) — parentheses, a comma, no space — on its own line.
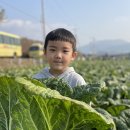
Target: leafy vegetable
(26,106)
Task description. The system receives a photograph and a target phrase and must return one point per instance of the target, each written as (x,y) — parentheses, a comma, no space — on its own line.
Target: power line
(41,19)
(62,11)
(19,10)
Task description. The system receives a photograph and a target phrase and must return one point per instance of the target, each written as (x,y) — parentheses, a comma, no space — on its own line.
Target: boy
(60,51)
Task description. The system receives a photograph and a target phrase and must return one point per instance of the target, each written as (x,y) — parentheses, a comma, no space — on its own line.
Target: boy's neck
(56,73)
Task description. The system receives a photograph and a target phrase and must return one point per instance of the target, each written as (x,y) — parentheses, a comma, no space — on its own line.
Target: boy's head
(60,34)
(60,50)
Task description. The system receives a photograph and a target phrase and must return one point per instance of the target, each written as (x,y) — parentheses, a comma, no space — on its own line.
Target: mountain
(110,47)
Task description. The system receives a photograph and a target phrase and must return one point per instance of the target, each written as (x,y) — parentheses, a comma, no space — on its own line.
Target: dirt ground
(18,62)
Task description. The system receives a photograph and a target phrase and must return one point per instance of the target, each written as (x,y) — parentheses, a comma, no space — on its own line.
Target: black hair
(60,34)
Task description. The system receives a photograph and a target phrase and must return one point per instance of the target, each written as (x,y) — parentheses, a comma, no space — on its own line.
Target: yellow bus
(10,45)
(36,50)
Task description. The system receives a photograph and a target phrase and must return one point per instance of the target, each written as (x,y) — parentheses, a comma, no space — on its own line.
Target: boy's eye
(65,51)
(52,50)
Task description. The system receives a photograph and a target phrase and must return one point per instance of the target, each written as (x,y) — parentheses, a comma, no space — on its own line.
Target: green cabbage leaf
(28,105)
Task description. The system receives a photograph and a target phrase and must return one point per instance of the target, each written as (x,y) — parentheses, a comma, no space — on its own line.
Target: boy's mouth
(59,62)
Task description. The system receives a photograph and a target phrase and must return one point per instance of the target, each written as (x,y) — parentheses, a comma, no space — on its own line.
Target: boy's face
(59,55)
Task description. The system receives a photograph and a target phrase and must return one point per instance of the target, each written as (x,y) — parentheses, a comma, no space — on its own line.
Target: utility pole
(2,14)
(43,20)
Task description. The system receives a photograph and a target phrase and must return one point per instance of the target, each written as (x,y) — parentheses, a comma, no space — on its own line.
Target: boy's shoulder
(75,79)
(72,76)
(76,75)
(44,73)
(38,75)
(71,72)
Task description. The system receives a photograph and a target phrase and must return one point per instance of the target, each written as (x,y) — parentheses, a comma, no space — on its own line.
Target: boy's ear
(45,58)
(74,55)
(44,52)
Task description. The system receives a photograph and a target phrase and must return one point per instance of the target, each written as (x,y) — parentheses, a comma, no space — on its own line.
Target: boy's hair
(60,34)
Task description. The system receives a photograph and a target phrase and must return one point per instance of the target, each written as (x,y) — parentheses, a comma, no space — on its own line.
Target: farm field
(103,104)
(9,63)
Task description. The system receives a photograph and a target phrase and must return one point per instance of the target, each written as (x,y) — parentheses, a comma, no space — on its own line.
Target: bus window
(17,41)
(34,48)
(6,39)
(1,39)
(12,40)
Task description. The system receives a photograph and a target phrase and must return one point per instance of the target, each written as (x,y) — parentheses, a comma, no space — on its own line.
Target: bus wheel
(15,55)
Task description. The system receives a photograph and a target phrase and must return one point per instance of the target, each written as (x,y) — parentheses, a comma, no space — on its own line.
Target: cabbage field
(50,104)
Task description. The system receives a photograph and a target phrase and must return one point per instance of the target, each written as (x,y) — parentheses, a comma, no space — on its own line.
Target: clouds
(29,29)
(23,28)
(116,28)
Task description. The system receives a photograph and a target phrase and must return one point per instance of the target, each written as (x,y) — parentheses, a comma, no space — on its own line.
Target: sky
(88,20)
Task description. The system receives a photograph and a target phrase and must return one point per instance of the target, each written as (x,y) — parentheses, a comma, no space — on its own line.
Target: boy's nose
(58,54)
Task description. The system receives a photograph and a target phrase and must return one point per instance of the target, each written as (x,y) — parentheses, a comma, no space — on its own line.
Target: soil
(18,62)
